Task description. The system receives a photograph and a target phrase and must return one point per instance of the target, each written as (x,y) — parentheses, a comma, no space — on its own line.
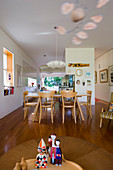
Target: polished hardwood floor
(14,130)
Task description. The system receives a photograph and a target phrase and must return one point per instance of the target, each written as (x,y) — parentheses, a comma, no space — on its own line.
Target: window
(8,72)
(32,82)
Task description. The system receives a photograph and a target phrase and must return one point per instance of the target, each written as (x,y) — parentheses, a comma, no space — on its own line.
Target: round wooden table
(83,153)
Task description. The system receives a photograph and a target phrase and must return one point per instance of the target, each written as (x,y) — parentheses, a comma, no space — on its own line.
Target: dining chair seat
(31,104)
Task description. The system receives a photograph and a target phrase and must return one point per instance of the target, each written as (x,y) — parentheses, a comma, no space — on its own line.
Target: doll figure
(53,149)
(58,153)
(41,158)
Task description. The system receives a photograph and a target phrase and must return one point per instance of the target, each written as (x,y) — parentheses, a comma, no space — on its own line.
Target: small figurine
(53,137)
(17,166)
(50,145)
(53,149)
(58,153)
(23,164)
(41,158)
(50,141)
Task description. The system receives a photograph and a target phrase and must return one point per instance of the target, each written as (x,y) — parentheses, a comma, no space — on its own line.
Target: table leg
(36,110)
(80,109)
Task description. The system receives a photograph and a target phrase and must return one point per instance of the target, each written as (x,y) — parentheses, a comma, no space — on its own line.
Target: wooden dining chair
(87,103)
(67,94)
(108,114)
(54,101)
(27,104)
(44,103)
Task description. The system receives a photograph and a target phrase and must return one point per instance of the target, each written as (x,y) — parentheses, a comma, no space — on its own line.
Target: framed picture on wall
(18,75)
(95,77)
(103,76)
(110,75)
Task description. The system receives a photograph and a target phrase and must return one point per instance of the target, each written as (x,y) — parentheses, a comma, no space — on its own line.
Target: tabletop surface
(55,95)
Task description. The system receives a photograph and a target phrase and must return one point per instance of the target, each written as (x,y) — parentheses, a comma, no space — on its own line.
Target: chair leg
(63,115)
(40,114)
(36,110)
(100,122)
(25,112)
(36,113)
(52,114)
(90,111)
(54,108)
(74,114)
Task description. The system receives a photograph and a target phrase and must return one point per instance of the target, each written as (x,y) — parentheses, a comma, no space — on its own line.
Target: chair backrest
(68,94)
(89,97)
(66,91)
(24,94)
(111,97)
(46,95)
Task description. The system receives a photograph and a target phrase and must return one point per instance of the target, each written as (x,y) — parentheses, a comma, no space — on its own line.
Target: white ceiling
(24,20)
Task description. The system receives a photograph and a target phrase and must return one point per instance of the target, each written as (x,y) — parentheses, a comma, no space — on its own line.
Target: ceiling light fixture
(56,63)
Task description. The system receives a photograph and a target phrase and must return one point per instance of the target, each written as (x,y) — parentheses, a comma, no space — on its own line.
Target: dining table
(56,95)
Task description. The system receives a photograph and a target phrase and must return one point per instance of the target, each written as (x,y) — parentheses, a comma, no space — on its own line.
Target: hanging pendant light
(56,63)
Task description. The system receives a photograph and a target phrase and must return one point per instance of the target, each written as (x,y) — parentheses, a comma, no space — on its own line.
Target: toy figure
(41,158)
(53,137)
(50,145)
(53,149)
(17,166)
(23,164)
(58,153)
(50,141)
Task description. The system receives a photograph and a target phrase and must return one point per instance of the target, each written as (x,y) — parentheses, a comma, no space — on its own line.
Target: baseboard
(102,101)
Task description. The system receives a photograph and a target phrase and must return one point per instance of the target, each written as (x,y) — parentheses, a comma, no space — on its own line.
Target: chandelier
(56,63)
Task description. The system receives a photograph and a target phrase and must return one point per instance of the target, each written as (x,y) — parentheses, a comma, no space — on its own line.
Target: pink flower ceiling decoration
(82,35)
(97,19)
(61,30)
(76,41)
(90,26)
(67,8)
(101,3)
(77,14)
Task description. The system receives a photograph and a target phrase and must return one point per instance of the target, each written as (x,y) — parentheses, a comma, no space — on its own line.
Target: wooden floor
(14,130)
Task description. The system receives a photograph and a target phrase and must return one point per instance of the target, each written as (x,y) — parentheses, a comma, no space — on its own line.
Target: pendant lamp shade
(56,64)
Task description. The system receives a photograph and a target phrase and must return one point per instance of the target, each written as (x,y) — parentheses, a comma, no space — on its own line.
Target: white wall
(103,90)
(11,102)
(82,55)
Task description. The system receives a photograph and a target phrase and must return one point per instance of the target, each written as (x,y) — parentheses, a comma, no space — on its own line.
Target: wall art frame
(18,75)
(110,75)
(103,76)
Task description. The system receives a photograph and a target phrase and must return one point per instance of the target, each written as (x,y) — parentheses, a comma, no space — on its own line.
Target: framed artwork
(78,82)
(110,75)
(88,82)
(103,76)
(95,77)
(78,65)
(79,72)
(18,75)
